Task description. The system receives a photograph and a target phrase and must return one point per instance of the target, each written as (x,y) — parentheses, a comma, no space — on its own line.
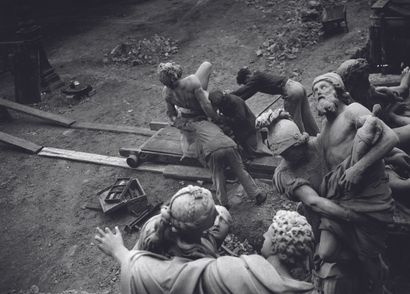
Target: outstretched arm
(324,206)
(112,244)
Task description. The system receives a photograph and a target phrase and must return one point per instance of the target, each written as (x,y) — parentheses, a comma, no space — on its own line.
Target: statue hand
(399,160)
(109,242)
(350,178)
(271,117)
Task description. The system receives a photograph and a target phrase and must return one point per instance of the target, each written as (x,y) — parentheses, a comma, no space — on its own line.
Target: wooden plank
(194,173)
(113,128)
(20,143)
(189,173)
(165,140)
(97,159)
(54,118)
(157,125)
(264,164)
(380,4)
(167,158)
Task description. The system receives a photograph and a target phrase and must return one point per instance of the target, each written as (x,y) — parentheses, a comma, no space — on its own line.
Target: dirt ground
(46,234)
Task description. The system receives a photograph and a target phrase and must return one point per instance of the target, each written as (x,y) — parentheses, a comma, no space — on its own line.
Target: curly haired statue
(291,236)
(169,73)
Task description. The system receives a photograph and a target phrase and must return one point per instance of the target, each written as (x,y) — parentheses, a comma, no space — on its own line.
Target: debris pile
(301,28)
(146,51)
(233,244)
(285,44)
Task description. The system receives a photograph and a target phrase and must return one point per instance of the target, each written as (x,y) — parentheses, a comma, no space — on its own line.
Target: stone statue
(190,212)
(187,99)
(300,177)
(354,143)
(355,75)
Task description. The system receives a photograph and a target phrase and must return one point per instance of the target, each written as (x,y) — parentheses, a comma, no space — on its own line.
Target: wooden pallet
(164,147)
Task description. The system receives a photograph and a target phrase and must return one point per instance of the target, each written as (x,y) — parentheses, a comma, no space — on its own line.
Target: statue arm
(171,111)
(202,97)
(308,196)
(356,116)
(387,141)
(384,94)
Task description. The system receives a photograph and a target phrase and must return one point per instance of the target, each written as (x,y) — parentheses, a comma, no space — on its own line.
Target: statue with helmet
(172,257)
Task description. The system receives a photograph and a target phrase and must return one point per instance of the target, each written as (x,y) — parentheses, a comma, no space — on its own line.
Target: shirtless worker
(186,98)
(294,95)
(337,137)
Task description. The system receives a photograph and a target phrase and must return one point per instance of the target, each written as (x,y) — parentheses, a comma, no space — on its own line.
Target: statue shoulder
(191,82)
(357,109)
(355,112)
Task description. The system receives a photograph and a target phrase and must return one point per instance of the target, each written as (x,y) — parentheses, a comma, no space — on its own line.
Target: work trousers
(217,161)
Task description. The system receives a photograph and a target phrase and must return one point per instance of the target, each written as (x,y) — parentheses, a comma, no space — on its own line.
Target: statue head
(169,73)
(177,230)
(222,224)
(289,237)
(285,139)
(329,90)
(152,236)
(243,75)
(191,211)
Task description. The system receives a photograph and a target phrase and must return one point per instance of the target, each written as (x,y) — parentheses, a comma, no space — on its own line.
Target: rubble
(301,28)
(237,247)
(146,51)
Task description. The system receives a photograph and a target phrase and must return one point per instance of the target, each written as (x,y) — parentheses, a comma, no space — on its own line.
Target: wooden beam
(20,143)
(54,118)
(113,128)
(189,173)
(380,4)
(97,159)
(157,125)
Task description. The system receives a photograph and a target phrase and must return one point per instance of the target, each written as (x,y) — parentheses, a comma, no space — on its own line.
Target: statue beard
(326,107)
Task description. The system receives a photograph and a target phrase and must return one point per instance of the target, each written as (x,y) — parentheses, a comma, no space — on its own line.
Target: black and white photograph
(204,146)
